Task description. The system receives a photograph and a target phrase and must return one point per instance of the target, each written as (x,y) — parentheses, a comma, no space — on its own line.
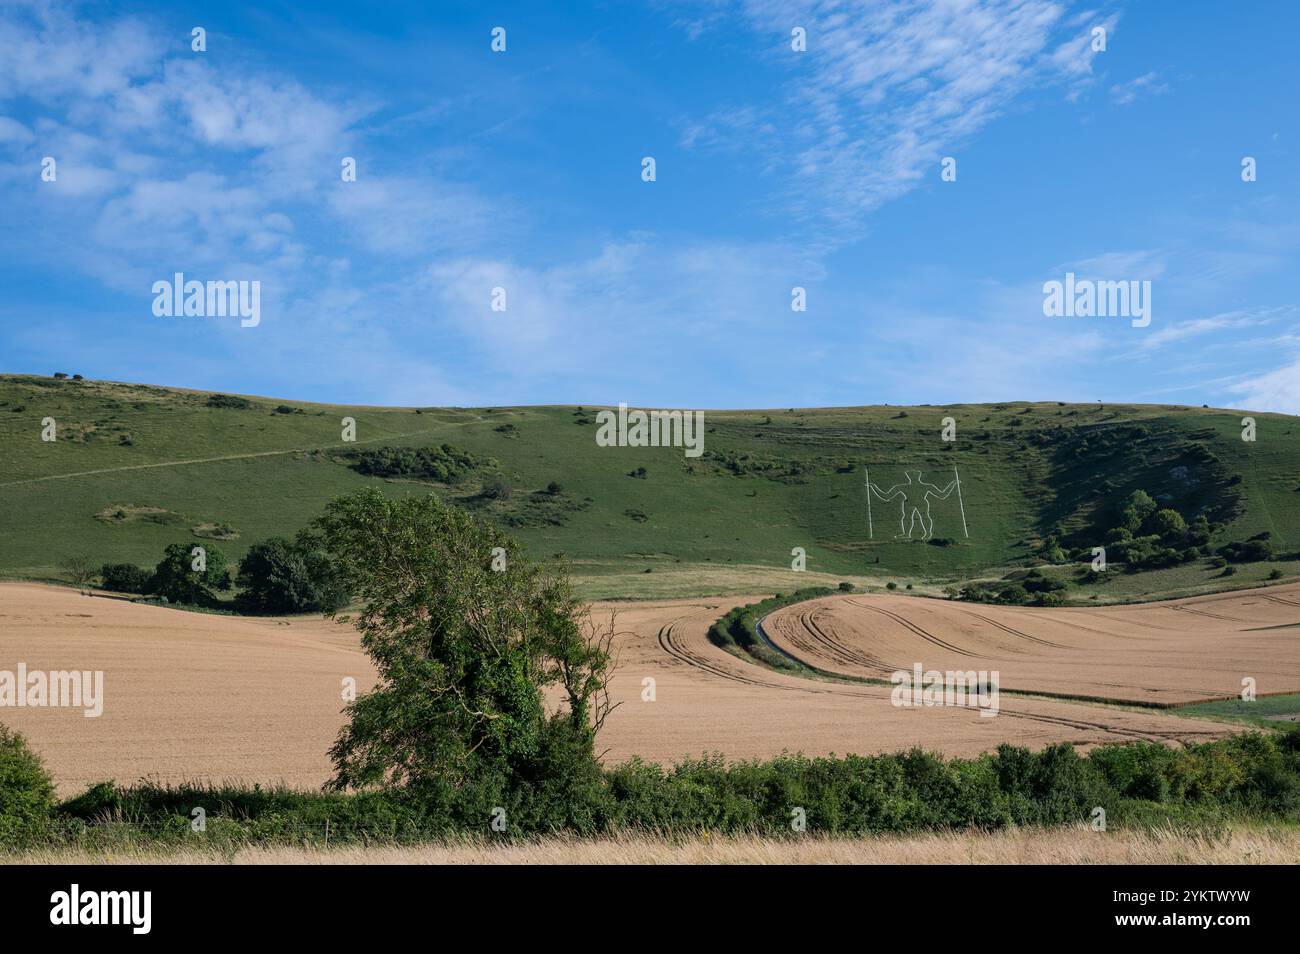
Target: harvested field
(1063,846)
(1169,653)
(197,697)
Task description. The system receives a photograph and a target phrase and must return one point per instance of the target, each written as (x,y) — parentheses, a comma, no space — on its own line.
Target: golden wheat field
(1070,846)
(197,697)
(1171,652)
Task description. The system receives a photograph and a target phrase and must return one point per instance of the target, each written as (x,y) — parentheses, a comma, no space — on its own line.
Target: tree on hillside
(283,576)
(465,653)
(183,578)
(1137,508)
(80,570)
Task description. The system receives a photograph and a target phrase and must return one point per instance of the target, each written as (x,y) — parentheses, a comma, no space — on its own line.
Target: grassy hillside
(137,467)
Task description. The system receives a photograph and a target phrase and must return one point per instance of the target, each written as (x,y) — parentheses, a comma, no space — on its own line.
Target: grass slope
(137,467)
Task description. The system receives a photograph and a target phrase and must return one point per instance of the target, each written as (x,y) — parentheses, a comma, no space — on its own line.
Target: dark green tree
(467,654)
(283,576)
(26,791)
(176,578)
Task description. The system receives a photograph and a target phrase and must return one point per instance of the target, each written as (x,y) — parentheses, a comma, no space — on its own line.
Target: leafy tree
(26,791)
(464,653)
(125,578)
(1137,508)
(283,576)
(177,580)
(1168,523)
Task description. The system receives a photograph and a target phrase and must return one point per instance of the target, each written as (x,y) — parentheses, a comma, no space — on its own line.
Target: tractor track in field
(919,631)
(1016,632)
(674,645)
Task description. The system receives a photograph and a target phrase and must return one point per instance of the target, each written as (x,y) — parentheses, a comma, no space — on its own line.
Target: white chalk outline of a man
(927,522)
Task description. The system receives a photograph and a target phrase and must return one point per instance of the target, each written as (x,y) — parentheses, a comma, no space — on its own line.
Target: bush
(125,578)
(1248,777)
(497,488)
(1252,551)
(229,401)
(26,791)
(846,587)
(444,464)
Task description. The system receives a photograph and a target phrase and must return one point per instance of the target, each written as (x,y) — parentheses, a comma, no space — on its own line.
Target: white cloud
(1277,390)
(1148,84)
(14,133)
(1226,321)
(890,88)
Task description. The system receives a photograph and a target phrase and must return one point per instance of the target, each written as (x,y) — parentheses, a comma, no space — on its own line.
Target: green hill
(137,467)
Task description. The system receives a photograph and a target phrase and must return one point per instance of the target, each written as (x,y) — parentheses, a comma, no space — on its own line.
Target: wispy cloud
(1225,321)
(1148,84)
(885,90)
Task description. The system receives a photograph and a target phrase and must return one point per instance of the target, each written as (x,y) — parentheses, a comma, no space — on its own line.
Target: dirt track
(1174,652)
(221,698)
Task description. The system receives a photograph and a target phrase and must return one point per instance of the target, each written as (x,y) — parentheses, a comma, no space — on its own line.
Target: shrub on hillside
(444,464)
(229,401)
(497,488)
(125,578)
(1251,551)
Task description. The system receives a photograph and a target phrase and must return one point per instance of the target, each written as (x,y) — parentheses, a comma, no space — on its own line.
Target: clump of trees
(125,578)
(467,648)
(181,576)
(289,576)
(229,401)
(1259,547)
(444,464)
(275,576)
(1147,535)
(1020,588)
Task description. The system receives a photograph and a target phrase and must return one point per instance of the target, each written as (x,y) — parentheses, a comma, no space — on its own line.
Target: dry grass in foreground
(1065,846)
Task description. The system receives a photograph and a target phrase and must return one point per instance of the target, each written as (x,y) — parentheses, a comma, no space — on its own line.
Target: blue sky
(775,169)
